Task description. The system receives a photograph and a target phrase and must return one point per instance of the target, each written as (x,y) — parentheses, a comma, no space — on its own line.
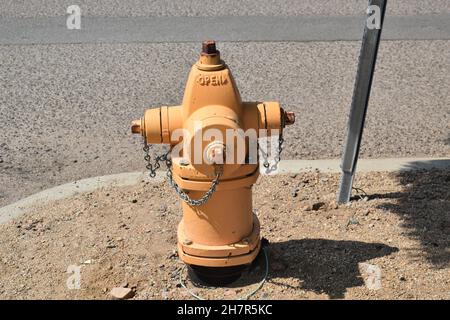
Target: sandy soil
(398,233)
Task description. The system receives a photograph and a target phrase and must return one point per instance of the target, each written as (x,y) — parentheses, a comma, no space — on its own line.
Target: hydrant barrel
(213,132)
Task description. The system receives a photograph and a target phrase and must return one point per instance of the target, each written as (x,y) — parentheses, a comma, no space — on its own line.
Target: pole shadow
(424,207)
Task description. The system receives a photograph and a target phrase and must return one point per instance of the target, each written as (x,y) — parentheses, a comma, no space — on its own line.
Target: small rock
(402,278)
(88,261)
(229,293)
(293,175)
(165,294)
(172,254)
(353,220)
(294,192)
(264,296)
(134,201)
(318,205)
(121,293)
(333,205)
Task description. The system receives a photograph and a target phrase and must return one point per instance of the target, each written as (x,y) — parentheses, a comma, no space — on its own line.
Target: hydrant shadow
(321,265)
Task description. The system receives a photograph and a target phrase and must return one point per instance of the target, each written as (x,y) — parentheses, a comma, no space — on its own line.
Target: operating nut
(209,47)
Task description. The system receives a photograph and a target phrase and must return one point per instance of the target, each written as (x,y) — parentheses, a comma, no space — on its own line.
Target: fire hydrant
(219,234)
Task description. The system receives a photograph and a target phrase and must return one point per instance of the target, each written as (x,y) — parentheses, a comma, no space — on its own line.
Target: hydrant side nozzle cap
(289,118)
(136,126)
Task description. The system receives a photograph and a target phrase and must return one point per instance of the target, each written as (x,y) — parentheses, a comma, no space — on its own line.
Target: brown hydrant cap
(289,117)
(209,47)
(210,57)
(136,126)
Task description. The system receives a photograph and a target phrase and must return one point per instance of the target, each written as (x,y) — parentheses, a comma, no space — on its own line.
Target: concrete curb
(366,165)
(70,189)
(67,190)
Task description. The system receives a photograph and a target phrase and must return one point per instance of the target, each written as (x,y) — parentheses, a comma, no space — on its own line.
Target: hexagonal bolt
(184,162)
(209,47)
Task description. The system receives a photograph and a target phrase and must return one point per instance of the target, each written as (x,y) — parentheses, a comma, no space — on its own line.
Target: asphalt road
(146,8)
(65,109)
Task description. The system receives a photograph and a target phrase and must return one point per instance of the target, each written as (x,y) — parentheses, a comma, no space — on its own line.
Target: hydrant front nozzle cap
(136,126)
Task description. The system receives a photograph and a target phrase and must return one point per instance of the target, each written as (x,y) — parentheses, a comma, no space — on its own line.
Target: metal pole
(361,94)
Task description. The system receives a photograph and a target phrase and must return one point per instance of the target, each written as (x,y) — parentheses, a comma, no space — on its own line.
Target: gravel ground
(133,8)
(66,109)
(317,250)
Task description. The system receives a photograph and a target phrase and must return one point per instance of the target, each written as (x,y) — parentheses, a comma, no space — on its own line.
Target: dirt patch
(391,242)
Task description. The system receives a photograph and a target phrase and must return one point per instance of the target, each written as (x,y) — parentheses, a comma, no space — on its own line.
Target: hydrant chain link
(184,196)
(277,158)
(152,167)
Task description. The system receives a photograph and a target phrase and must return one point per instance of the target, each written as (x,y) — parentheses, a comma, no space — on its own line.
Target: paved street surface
(65,107)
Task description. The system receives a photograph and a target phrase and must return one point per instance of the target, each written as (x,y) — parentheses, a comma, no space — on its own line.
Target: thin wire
(359,190)
(245,297)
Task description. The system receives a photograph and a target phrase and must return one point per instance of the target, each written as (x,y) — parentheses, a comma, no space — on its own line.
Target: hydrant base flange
(239,253)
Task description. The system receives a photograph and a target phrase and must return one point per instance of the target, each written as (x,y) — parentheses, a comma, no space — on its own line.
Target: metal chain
(152,167)
(277,158)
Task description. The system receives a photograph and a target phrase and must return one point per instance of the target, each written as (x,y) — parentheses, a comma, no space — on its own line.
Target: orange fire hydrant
(219,234)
